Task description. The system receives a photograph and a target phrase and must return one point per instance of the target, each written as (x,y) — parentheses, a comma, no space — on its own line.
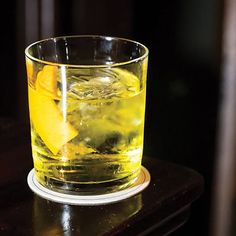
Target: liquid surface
(86,126)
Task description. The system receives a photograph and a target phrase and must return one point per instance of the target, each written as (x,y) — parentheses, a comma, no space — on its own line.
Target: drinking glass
(87,108)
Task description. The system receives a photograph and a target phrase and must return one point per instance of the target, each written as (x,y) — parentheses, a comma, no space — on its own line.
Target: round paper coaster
(141,183)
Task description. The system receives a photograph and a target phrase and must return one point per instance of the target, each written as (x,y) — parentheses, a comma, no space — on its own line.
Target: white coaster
(83,200)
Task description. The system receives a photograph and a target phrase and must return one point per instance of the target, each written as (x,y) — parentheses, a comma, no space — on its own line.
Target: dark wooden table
(162,207)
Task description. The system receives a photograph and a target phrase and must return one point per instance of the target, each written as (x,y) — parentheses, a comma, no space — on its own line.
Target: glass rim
(140,58)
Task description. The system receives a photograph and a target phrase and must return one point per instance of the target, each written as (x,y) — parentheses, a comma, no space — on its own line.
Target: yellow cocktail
(87,123)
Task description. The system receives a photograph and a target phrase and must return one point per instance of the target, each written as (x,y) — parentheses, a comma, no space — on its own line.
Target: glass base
(87,188)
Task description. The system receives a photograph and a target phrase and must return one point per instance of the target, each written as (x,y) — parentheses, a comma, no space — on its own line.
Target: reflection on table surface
(61,219)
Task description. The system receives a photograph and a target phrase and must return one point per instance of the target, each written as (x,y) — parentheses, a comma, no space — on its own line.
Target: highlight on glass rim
(87,108)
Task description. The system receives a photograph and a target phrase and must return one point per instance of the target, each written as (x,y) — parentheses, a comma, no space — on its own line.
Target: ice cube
(96,88)
(102,84)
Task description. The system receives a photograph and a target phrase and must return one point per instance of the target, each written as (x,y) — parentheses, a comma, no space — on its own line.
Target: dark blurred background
(184,38)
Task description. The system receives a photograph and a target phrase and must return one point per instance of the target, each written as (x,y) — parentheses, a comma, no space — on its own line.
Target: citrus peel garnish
(45,115)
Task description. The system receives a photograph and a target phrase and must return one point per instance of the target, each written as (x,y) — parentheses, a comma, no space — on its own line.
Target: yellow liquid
(103,118)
